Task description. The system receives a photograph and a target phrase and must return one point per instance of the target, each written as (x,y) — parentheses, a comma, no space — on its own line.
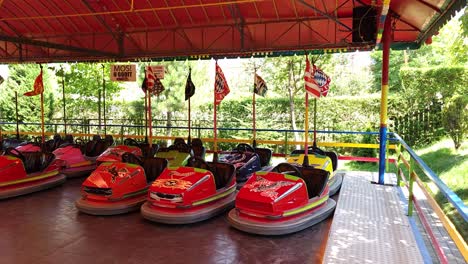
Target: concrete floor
(45,227)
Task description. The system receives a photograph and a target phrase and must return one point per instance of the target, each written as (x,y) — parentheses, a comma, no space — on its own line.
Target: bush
(366,139)
(423,85)
(456,118)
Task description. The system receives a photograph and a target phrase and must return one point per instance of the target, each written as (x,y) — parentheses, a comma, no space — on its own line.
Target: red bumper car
(284,200)
(23,173)
(78,160)
(247,160)
(119,187)
(191,193)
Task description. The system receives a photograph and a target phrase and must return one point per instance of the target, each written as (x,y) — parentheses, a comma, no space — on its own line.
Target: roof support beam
(239,21)
(409,24)
(433,7)
(334,19)
(27,41)
(115,35)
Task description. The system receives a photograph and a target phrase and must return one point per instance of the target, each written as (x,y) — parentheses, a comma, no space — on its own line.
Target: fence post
(397,163)
(122,133)
(387,158)
(410,188)
(285,143)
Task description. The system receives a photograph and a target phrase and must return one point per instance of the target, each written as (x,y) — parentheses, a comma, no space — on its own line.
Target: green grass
(452,168)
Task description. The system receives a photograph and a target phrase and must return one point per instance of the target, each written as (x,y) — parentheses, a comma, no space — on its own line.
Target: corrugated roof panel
(93,28)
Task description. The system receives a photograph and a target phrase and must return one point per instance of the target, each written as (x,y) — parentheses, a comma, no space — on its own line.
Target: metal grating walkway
(370,225)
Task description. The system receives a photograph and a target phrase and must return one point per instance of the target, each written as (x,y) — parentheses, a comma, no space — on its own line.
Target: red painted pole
(42,111)
(146,116)
(254,120)
(150,117)
(189,121)
(215,152)
(42,118)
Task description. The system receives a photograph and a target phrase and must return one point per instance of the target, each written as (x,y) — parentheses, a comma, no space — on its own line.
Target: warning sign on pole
(158,70)
(123,73)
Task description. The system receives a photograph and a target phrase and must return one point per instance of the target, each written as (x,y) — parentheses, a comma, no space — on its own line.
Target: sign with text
(123,72)
(158,70)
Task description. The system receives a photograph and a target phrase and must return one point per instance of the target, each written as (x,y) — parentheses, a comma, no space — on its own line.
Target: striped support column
(384,98)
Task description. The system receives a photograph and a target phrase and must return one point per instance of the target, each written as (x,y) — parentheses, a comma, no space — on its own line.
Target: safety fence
(409,176)
(281,141)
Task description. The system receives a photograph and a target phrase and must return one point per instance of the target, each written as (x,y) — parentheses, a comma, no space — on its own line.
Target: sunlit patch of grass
(452,168)
(358,166)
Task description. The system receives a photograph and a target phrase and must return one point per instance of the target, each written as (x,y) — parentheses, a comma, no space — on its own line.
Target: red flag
(38,86)
(221,86)
(311,85)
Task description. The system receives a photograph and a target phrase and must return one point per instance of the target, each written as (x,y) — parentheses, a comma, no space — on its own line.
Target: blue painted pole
(386,41)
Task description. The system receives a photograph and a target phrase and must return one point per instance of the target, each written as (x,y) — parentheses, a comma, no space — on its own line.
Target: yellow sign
(158,71)
(123,73)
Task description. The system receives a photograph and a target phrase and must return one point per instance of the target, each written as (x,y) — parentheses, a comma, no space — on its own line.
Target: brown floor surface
(45,227)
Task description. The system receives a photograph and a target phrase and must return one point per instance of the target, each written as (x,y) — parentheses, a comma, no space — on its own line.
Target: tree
(285,76)
(396,61)
(464,20)
(172,100)
(21,80)
(350,75)
(455,113)
(448,48)
(84,89)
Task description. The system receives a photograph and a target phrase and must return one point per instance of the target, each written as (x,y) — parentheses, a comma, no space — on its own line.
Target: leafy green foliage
(421,85)
(333,114)
(21,80)
(464,21)
(455,120)
(350,75)
(424,91)
(366,139)
(448,48)
(84,85)
(396,61)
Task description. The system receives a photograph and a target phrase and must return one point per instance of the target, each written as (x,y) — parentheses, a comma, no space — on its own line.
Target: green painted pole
(398,153)
(411,181)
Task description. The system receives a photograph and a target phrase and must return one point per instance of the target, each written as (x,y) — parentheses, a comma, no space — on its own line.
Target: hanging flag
(189,86)
(322,80)
(158,87)
(311,85)
(260,87)
(38,86)
(149,79)
(221,86)
(144,86)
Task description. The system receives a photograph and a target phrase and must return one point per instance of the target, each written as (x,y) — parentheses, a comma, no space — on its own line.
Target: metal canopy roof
(121,30)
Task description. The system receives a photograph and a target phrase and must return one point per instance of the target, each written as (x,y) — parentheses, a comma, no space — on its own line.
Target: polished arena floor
(45,227)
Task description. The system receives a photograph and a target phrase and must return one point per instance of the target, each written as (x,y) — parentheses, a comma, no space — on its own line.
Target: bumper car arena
(174,193)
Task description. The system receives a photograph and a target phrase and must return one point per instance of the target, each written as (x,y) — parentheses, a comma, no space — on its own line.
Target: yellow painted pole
(42,117)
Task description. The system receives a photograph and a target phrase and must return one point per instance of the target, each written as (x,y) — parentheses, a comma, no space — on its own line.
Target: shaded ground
(45,227)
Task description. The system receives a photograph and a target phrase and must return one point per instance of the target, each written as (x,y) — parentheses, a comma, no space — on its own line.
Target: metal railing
(409,179)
